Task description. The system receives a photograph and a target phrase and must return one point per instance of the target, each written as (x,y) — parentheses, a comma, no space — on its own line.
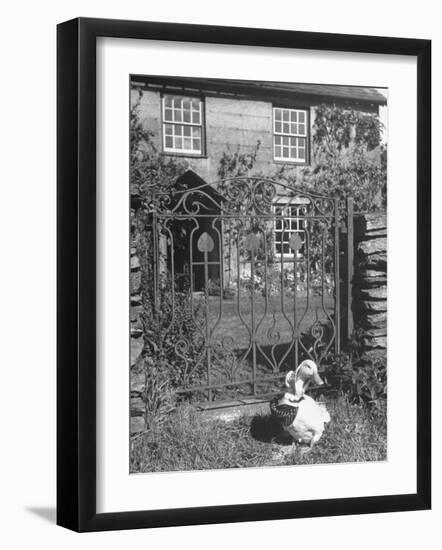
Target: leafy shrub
(214,289)
(173,335)
(158,398)
(362,379)
(370,382)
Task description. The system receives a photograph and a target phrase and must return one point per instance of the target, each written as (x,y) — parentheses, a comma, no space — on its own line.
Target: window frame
(307,136)
(202,125)
(300,230)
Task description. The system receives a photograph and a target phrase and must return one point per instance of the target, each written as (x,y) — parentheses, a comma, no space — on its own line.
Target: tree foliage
(149,169)
(348,157)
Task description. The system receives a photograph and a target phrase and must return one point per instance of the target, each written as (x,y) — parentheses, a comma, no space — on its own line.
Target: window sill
(291,162)
(183,155)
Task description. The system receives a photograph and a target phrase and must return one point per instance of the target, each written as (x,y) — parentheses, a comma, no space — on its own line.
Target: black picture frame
(76,272)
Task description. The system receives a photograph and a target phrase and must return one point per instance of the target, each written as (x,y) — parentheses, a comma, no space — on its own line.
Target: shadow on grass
(264,428)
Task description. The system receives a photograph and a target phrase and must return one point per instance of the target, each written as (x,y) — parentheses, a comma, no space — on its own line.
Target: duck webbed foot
(307,447)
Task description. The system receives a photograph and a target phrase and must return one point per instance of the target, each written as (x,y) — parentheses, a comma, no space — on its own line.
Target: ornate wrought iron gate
(246,273)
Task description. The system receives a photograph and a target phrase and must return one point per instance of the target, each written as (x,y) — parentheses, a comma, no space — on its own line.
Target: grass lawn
(231,319)
(189,440)
(230,322)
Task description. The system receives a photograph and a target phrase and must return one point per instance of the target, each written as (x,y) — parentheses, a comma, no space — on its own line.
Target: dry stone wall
(370,283)
(136,344)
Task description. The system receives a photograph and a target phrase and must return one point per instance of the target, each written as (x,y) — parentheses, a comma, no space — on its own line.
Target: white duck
(300,415)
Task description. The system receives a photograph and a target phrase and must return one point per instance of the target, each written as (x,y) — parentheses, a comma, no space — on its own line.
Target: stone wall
(370,283)
(136,343)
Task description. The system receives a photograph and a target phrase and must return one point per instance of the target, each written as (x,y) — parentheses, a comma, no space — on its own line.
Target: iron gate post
(350,268)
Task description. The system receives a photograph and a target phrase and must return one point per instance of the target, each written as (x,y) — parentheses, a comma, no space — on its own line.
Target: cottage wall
(231,124)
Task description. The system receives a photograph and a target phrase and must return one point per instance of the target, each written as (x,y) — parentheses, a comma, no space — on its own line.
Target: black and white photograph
(218,248)
(258,273)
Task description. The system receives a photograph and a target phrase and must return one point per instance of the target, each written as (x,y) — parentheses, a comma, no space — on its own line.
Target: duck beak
(317,379)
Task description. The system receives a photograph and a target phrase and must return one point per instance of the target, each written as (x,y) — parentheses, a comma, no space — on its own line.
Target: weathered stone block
(134,263)
(136,347)
(379,293)
(137,424)
(369,223)
(376,320)
(375,221)
(375,332)
(135,300)
(137,406)
(373,246)
(368,306)
(370,282)
(136,326)
(137,383)
(375,261)
(372,273)
(376,233)
(135,312)
(135,281)
(374,342)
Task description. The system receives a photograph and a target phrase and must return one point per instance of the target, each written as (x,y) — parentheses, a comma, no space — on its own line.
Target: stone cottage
(198,120)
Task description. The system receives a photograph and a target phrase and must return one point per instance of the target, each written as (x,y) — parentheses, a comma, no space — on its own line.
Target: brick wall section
(370,283)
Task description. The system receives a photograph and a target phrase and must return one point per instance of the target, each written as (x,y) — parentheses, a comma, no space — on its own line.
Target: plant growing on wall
(237,165)
(348,158)
(153,178)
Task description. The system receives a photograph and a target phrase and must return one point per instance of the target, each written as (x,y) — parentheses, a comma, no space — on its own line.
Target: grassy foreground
(188,440)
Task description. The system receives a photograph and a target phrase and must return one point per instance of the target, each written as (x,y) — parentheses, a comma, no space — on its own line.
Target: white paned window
(290,135)
(288,221)
(183,119)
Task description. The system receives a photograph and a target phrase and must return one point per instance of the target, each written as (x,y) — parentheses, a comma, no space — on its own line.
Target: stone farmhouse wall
(231,124)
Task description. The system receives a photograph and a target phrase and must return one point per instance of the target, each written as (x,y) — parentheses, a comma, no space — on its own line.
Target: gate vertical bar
(155,238)
(337,282)
(295,304)
(252,276)
(206,290)
(350,268)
